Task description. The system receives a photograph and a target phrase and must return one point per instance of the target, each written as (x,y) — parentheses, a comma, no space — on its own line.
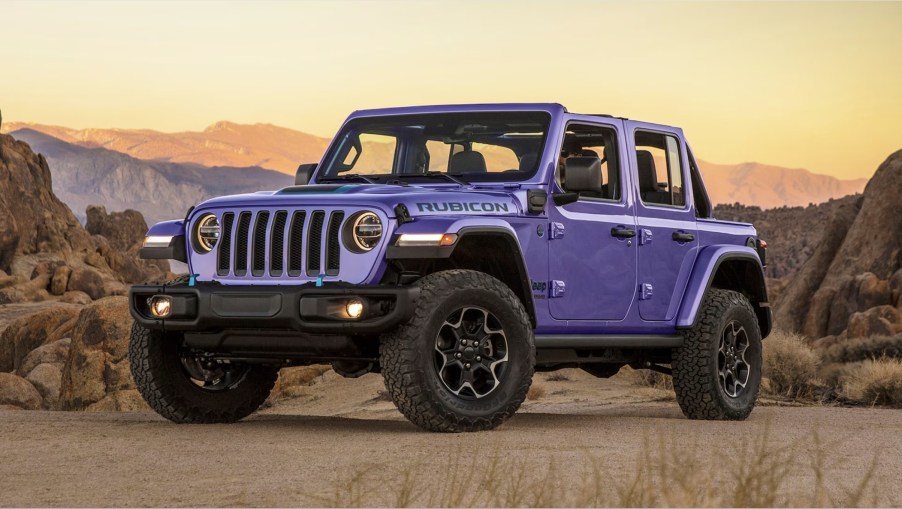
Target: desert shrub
(536,391)
(790,366)
(653,379)
(292,379)
(874,347)
(874,382)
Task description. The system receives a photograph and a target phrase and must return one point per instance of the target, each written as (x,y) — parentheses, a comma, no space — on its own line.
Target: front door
(668,235)
(592,256)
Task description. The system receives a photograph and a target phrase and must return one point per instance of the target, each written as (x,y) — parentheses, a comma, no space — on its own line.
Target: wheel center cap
(469,353)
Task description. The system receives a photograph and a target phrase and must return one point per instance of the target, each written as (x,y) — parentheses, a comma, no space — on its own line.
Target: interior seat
(648,179)
(468,161)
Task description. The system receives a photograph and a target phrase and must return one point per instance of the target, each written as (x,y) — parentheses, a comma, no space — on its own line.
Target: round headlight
(206,233)
(366,231)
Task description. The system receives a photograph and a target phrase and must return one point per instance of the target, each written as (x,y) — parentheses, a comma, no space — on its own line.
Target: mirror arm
(561,199)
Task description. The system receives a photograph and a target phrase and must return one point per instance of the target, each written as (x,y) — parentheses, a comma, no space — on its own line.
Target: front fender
(165,241)
(709,261)
(442,225)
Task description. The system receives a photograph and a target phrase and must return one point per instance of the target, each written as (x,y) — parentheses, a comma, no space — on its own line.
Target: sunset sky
(813,85)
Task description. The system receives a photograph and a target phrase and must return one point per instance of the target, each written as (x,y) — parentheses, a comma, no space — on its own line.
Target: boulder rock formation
(97,365)
(33,331)
(44,251)
(17,392)
(855,269)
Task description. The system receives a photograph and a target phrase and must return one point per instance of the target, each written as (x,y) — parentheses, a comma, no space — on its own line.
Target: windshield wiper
(434,174)
(351,176)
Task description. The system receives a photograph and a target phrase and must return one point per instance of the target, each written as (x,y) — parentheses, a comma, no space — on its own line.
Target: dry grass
(790,366)
(647,378)
(536,391)
(874,382)
(292,380)
(874,347)
(752,472)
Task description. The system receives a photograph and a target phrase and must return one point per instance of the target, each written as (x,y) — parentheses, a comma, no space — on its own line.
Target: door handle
(683,237)
(623,233)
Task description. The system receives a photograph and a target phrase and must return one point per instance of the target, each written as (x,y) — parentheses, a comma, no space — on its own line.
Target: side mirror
(305,171)
(583,174)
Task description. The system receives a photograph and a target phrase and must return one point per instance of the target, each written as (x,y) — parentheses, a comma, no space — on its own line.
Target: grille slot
(241,238)
(258,262)
(277,240)
(296,243)
(333,247)
(225,245)
(315,243)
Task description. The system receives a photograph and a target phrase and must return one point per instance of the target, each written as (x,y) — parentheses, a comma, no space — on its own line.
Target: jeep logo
(453,206)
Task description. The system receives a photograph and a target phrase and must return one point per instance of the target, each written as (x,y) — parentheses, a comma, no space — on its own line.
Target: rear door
(593,271)
(667,232)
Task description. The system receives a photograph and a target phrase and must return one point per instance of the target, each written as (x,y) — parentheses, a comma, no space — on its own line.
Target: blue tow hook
(319,280)
(192,279)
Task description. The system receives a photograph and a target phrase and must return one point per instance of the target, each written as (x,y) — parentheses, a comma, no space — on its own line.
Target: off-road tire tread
(694,368)
(401,367)
(155,379)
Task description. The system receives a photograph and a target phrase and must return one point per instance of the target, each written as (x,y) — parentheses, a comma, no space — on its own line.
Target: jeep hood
(420,201)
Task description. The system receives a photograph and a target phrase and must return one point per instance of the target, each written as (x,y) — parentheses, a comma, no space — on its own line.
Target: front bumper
(210,307)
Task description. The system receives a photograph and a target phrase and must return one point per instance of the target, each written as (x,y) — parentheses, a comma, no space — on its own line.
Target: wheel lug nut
(458,355)
(478,358)
(467,365)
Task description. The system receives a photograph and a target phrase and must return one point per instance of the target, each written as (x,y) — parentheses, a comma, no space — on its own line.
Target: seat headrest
(466,162)
(528,162)
(648,176)
(583,174)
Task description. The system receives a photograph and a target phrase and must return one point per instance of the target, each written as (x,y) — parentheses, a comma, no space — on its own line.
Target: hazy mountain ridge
(282,149)
(159,190)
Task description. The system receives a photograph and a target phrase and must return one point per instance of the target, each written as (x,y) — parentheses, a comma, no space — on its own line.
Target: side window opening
(591,145)
(660,169)
(368,154)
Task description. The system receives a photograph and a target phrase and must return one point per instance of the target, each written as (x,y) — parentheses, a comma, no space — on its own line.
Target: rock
(46,379)
(87,280)
(895,288)
(856,262)
(35,220)
(97,363)
(32,331)
(120,401)
(52,353)
(122,229)
(18,392)
(60,280)
(76,297)
(25,292)
(95,260)
(876,321)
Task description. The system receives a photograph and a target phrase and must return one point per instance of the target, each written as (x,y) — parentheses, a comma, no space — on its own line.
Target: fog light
(354,308)
(160,306)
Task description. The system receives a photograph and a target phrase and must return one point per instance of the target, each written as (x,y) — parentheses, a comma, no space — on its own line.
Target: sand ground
(301,451)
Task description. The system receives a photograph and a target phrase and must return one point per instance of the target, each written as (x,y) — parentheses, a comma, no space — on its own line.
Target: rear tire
(717,371)
(185,390)
(465,361)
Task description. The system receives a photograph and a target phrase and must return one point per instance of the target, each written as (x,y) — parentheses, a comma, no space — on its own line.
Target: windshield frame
(403,119)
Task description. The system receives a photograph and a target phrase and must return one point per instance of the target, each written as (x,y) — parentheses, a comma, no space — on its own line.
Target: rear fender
(728,267)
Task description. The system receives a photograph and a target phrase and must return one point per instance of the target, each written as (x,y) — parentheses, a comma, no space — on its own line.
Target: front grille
(264,243)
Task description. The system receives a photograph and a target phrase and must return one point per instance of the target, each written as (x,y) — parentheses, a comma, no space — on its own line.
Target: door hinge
(644,236)
(557,288)
(557,230)
(646,290)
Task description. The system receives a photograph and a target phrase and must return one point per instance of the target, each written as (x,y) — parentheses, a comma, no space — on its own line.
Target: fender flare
(706,267)
(500,230)
(175,250)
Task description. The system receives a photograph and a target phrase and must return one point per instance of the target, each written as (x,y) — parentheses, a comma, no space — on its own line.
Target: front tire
(465,361)
(185,388)
(717,371)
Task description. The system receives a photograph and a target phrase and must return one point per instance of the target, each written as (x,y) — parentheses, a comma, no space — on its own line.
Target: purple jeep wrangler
(457,250)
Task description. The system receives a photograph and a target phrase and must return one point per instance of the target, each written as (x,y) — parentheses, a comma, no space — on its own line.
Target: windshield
(449,147)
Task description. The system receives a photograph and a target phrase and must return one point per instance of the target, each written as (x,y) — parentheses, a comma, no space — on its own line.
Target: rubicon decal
(453,206)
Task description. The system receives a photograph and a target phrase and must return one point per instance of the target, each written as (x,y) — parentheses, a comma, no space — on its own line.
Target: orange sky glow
(813,85)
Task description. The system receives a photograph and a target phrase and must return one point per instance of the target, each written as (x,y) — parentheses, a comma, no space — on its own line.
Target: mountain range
(160,190)
(227,144)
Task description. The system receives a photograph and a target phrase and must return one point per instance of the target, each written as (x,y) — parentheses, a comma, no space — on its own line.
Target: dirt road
(282,458)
